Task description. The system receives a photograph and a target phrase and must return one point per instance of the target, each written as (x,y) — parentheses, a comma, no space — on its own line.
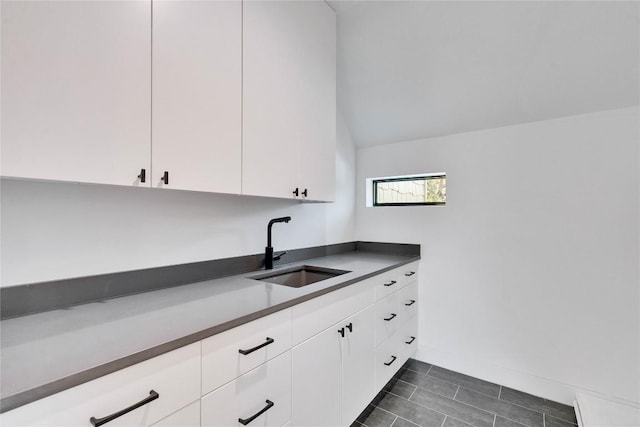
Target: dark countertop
(45,353)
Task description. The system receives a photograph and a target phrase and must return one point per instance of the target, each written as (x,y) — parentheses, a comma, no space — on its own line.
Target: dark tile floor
(425,395)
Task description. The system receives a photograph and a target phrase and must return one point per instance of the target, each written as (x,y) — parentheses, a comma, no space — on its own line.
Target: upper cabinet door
(288,96)
(197,95)
(76,90)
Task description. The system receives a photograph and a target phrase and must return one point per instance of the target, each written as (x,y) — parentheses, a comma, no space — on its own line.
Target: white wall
(53,230)
(529,274)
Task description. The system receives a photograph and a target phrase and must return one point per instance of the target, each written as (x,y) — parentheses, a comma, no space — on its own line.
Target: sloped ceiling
(409,70)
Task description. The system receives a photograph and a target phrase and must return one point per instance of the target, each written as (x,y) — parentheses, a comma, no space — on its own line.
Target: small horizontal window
(410,190)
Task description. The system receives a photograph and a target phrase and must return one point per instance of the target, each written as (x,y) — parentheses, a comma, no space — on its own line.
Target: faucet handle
(281,254)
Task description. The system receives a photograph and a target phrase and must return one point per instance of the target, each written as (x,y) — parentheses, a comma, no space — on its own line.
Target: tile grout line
(394,420)
(444,420)
(415,387)
(495,416)
(449,382)
(456,393)
(544,420)
(500,393)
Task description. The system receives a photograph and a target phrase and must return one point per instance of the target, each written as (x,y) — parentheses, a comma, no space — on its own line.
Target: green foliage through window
(408,191)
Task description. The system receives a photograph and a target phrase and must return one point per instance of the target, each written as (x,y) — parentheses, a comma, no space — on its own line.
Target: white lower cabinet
(316,380)
(318,363)
(261,397)
(174,377)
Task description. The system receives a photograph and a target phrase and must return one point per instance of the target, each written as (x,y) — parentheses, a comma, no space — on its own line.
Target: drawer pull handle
(391,283)
(143,175)
(410,341)
(390,318)
(96,422)
(341,332)
(350,327)
(258,347)
(246,421)
(393,359)
(411,302)
(411,273)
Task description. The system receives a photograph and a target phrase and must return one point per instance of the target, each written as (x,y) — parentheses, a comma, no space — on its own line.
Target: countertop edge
(42,391)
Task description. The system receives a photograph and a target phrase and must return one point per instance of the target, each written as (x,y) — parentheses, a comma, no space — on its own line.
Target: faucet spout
(268,251)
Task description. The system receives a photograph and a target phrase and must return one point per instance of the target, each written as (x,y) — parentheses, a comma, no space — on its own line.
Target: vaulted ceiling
(416,69)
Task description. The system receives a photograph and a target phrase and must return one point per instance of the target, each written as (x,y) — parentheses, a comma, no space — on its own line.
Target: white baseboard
(485,370)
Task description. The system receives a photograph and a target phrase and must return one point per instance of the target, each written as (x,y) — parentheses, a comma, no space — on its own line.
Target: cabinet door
(358,365)
(288,83)
(76,90)
(316,380)
(197,94)
(317,151)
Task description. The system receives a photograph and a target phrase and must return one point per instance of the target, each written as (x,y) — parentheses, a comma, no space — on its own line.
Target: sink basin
(297,277)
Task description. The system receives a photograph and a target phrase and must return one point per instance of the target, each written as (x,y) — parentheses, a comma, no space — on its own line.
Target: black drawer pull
(143,175)
(411,273)
(410,341)
(391,283)
(96,422)
(350,327)
(246,421)
(341,332)
(165,178)
(412,301)
(264,344)
(393,359)
(390,318)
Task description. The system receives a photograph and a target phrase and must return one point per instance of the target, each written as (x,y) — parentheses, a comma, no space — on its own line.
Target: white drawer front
(248,395)
(390,356)
(408,337)
(409,300)
(175,376)
(221,357)
(391,281)
(315,315)
(185,417)
(390,315)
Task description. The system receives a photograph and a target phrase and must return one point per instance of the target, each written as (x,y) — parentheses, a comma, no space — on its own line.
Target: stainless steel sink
(297,277)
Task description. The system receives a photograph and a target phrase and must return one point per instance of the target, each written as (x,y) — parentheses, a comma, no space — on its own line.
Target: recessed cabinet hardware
(143,175)
(388,319)
(341,332)
(96,422)
(410,341)
(391,283)
(304,193)
(393,359)
(295,192)
(165,178)
(246,421)
(350,327)
(411,302)
(258,347)
(411,273)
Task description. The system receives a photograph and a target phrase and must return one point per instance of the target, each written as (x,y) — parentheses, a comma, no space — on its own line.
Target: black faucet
(268,251)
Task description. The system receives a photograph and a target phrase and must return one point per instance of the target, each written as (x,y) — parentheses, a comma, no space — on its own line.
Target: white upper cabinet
(197,94)
(289,99)
(76,90)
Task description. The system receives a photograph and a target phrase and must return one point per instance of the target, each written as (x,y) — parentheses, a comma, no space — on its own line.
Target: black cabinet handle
(143,175)
(295,192)
(411,302)
(411,273)
(393,359)
(246,421)
(258,347)
(350,327)
(410,341)
(391,283)
(96,422)
(165,178)
(393,315)
(341,332)
(304,193)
